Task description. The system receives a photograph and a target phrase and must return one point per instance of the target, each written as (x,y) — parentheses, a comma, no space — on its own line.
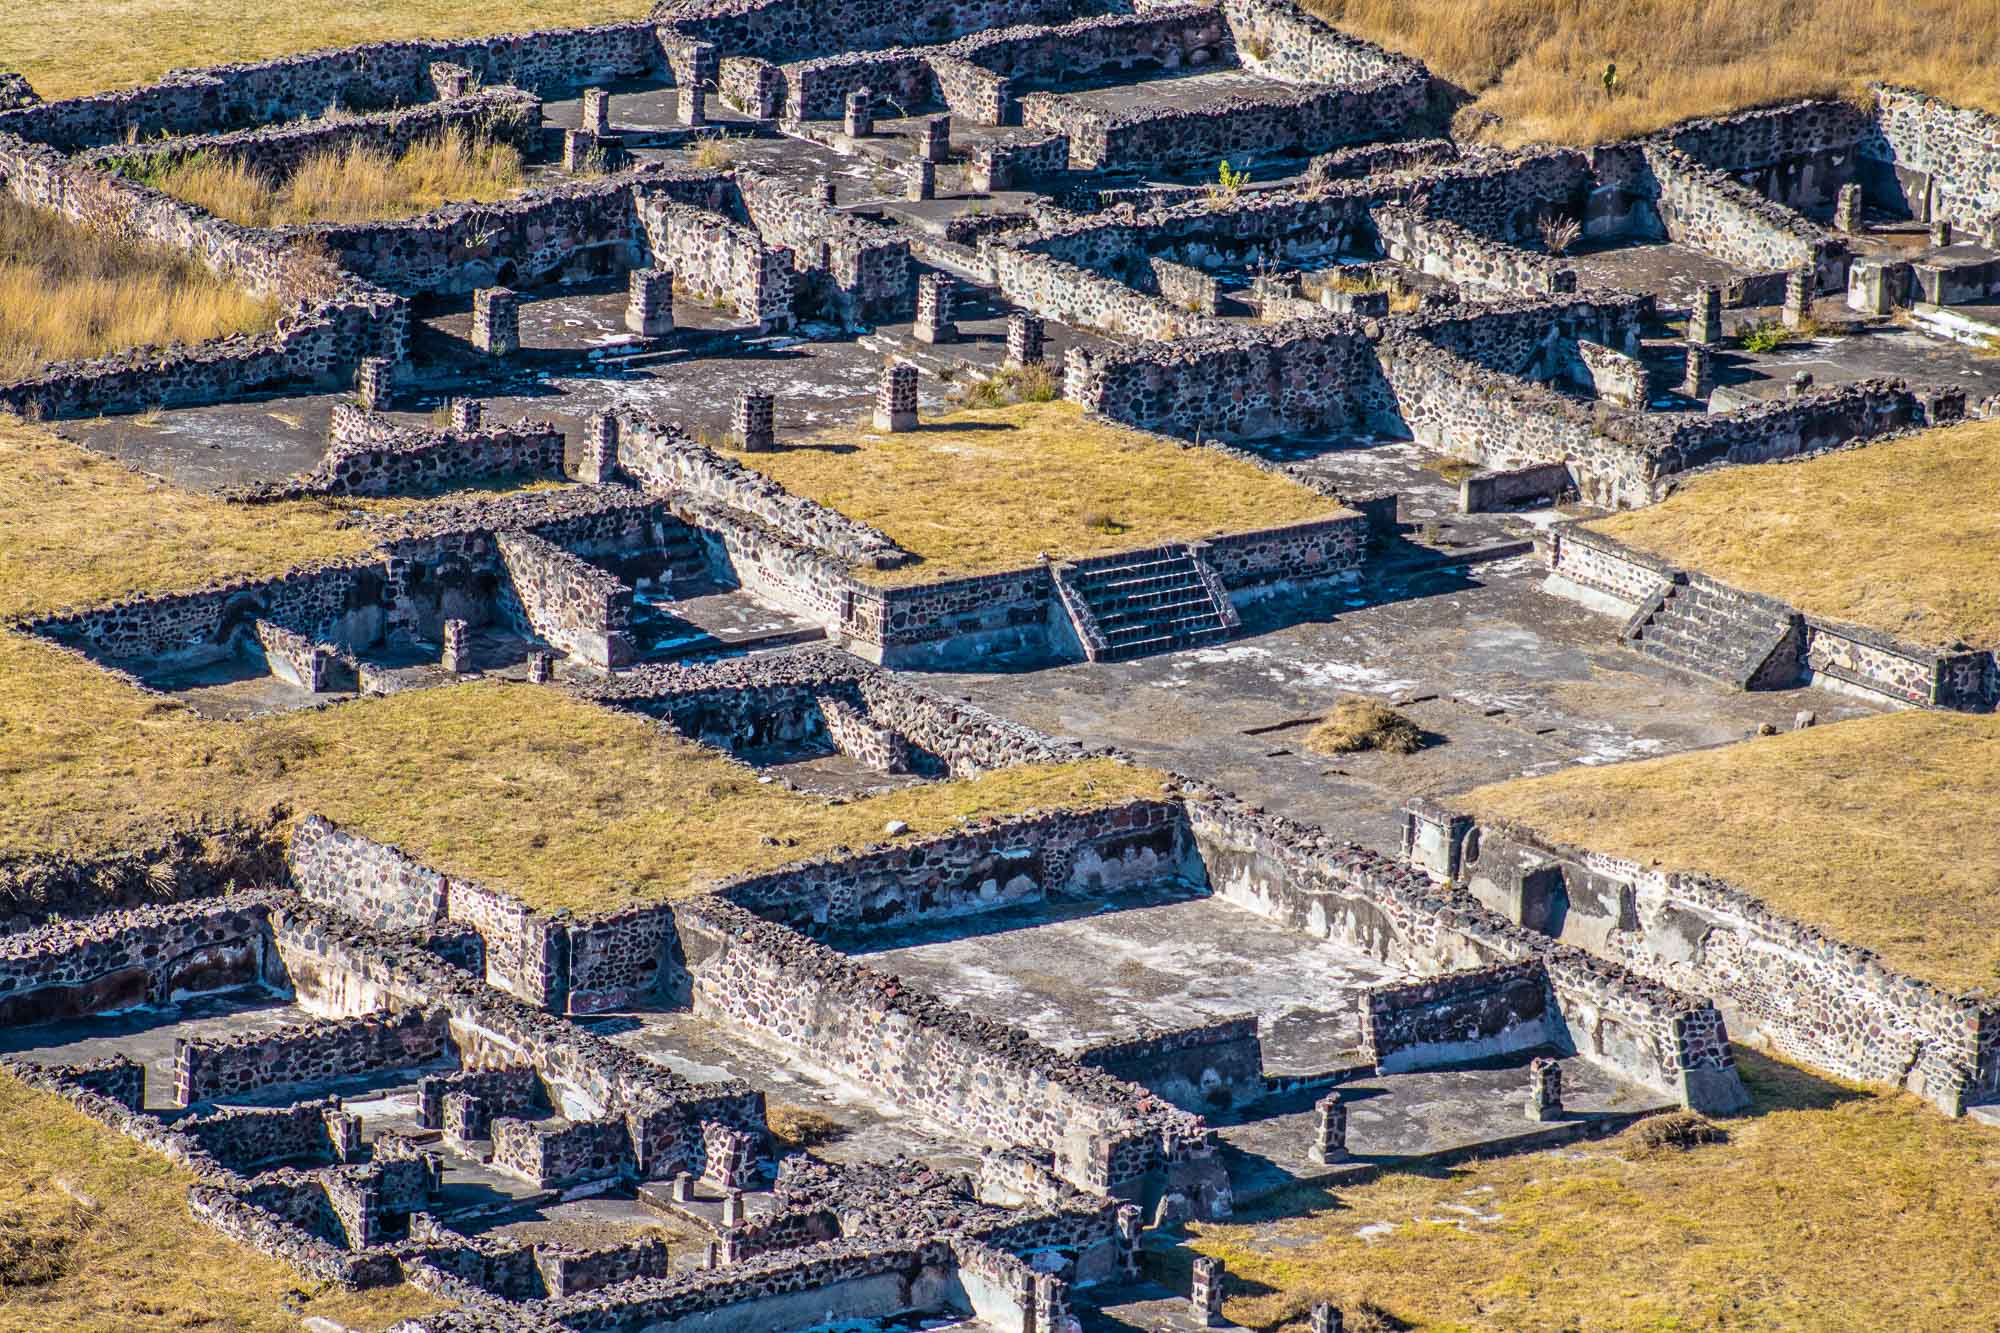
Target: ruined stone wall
(898,80)
(1206,1067)
(1305,880)
(1788,427)
(866,263)
(206,1068)
(356,78)
(1459,1016)
(1161,36)
(246,1139)
(556,1155)
(718,260)
(145,955)
(566,602)
(985,1079)
(1504,198)
(1446,250)
(1298,552)
(664,459)
(373,883)
(1932,160)
(1798,154)
(504,115)
(1005,166)
(782,30)
(1063,291)
(1070,852)
(1288,43)
(371,455)
(951,621)
(1707,210)
(1816,999)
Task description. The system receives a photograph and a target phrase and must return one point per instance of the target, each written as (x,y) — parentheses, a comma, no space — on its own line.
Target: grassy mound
(1364,724)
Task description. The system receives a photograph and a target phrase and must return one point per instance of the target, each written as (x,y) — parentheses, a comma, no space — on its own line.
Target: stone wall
(1286,42)
(568,603)
(140,956)
(980,1077)
(559,1154)
(371,455)
(1446,250)
(1816,999)
(375,884)
(865,265)
(1305,880)
(246,1139)
(207,1068)
(782,30)
(1470,1015)
(1931,160)
(1705,209)
(1205,1068)
(1064,291)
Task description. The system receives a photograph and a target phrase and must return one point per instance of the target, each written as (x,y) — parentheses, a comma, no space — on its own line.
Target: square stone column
(1330,1130)
(649,302)
(859,120)
(1545,1089)
(1847,210)
(372,380)
(921,181)
(934,323)
(597,111)
(753,422)
(1205,1299)
(1026,342)
(1699,382)
(896,398)
(937,139)
(496,321)
(467,415)
(1705,316)
(598,463)
(1798,297)
(457,657)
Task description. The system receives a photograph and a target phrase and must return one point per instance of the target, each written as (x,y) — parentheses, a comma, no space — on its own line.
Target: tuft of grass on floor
(1886,536)
(801,1127)
(359,183)
(1878,830)
(980,491)
(1542,68)
(1357,723)
(1757,1232)
(113,1245)
(69,292)
(136,41)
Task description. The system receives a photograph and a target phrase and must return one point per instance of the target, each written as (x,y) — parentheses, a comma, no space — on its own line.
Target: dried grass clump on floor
(71,292)
(801,1127)
(1541,66)
(358,183)
(1357,724)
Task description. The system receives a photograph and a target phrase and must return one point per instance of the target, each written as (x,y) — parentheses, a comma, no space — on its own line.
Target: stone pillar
(704,68)
(578,145)
(1330,1131)
(937,139)
(1705,316)
(372,382)
(649,302)
(1801,385)
(1798,297)
(343,1132)
(450,80)
(1051,1303)
(541,665)
(823,190)
(896,398)
(597,111)
(467,415)
(496,321)
(1941,234)
(1128,1239)
(753,424)
(1025,339)
(712,1257)
(921,182)
(598,464)
(1205,1300)
(683,1188)
(732,1208)
(457,647)
(1847,210)
(1545,1089)
(859,121)
(934,323)
(1699,382)
(1325,1319)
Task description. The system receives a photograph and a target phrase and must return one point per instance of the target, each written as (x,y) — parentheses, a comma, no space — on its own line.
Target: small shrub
(800,1127)
(1099,521)
(1229,183)
(1357,724)
(1559,232)
(713,152)
(1254,46)
(1766,335)
(1677,1131)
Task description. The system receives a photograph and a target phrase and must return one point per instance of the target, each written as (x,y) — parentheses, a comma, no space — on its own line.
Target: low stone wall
(1005,166)
(1707,210)
(1446,250)
(1251,563)
(370,456)
(714,259)
(980,1077)
(567,602)
(119,959)
(781,30)
(246,1139)
(1299,877)
(1814,998)
(1208,1067)
(1931,160)
(1062,291)
(865,265)
(1288,43)
(559,1154)
(1458,1017)
(375,884)
(207,1068)
(503,115)
(1609,568)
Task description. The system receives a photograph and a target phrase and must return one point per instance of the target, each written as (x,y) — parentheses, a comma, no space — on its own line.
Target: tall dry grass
(68,291)
(356,184)
(1539,64)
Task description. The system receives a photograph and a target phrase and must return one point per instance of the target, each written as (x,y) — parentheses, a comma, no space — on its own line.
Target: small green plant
(1254,46)
(1613,85)
(1229,182)
(1766,335)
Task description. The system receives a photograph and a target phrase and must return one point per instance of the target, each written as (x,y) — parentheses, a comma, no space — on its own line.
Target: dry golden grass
(356,184)
(1364,724)
(800,1127)
(1539,64)
(976,492)
(1893,536)
(1880,830)
(137,1259)
(1829,1209)
(69,292)
(136,41)
(563,802)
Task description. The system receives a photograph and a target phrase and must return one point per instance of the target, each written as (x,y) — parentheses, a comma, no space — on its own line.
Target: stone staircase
(1157,600)
(1699,625)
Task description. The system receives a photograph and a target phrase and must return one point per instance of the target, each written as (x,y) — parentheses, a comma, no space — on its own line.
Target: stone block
(597,111)
(896,398)
(753,422)
(649,302)
(1026,339)
(496,321)
(858,120)
(934,297)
